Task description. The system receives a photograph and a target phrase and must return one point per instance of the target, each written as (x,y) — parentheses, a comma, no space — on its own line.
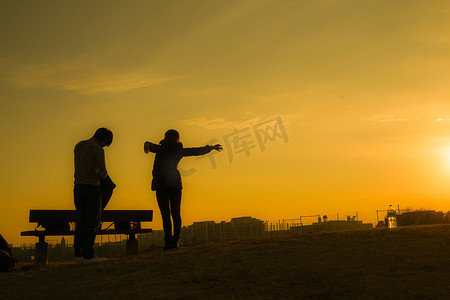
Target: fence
(243,228)
(287,224)
(115,246)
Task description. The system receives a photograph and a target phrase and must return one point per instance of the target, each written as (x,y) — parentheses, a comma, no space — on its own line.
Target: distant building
(423,217)
(242,228)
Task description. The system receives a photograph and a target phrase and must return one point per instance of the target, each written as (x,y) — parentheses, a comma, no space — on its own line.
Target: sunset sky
(361,87)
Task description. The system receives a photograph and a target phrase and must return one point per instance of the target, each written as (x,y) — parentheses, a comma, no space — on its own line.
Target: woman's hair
(104,135)
(172,136)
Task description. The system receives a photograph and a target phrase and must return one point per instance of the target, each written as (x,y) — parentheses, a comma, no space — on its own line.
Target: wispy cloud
(80,75)
(386,118)
(423,113)
(232,123)
(219,123)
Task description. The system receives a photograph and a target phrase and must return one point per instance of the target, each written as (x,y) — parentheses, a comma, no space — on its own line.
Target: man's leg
(175,206)
(92,214)
(80,220)
(162,196)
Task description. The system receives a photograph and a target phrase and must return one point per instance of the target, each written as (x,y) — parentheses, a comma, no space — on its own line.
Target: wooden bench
(57,223)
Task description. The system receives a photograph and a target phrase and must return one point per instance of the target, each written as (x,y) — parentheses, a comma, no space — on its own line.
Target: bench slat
(72,232)
(55,216)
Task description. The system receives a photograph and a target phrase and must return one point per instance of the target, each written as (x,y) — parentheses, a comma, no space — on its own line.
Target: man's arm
(150,147)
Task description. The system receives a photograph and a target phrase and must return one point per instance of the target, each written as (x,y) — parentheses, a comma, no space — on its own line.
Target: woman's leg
(162,196)
(175,205)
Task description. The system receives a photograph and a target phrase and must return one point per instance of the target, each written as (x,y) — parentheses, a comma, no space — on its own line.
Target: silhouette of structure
(242,228)
(332,225)
(423,217)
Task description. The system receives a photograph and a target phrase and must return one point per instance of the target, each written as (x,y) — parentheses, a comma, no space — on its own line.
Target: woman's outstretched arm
(150,147)
(201,150)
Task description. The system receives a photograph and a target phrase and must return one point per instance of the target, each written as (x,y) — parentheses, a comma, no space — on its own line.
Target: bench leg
(41,253)
(132,246)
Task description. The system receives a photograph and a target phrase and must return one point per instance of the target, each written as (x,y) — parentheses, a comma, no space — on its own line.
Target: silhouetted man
(89,170)
(167,180)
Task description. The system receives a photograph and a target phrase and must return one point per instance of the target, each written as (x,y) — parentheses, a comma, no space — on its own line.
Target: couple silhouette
(91,176)
(167,180)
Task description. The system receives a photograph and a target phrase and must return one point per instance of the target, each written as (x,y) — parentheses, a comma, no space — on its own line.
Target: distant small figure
(167,180)
(90,169)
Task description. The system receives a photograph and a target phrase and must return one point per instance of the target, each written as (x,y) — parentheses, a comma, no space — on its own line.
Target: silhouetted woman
(167,180)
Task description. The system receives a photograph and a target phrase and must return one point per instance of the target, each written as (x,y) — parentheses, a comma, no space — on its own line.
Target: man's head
(103,136)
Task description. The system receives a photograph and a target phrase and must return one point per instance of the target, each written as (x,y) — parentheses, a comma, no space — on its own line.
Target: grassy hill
(401,263)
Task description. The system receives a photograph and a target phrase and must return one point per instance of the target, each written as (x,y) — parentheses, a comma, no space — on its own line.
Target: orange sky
(360,86)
